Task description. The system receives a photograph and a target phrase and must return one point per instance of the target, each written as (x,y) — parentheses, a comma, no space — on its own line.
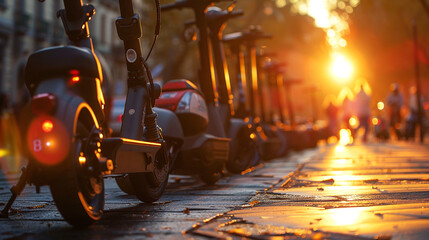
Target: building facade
(29,25)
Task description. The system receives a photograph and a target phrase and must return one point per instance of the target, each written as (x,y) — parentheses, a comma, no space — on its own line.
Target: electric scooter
(67,147)
(205,150)
(250,106)
(277,111)
(242,146)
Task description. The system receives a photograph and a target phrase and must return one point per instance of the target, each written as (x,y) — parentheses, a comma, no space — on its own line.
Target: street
(371,191)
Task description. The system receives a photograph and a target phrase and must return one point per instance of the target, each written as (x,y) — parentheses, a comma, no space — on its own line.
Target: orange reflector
(47,126)
(75,79)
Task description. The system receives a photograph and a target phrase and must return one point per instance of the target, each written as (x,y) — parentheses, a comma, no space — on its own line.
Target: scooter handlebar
(237,13)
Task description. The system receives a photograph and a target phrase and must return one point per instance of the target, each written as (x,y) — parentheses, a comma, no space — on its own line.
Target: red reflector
(120,118)
(179,85)
(74,72)
(43,103)
(48,140)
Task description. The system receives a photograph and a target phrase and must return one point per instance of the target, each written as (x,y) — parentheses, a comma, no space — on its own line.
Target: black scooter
(67,147)
(250,105)
(205,150)
(242,146)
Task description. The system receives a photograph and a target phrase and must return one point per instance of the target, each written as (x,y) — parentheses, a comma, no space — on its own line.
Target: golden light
(280,3)
(362,82)
(380,105)
(330,15)
(345,93)
(354,121)
(341,67)
(47,126)
(252,136)
(345,216)
(3,152)
(340,148)
(375,121)
(345,137)
(82,159)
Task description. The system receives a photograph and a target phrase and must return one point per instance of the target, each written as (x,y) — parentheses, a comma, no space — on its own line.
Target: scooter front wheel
(79,192)
(242,152)
(148,187)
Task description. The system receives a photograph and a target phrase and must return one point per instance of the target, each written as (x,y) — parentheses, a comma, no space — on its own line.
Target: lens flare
(330,15)
(354,121)
(341,67)
(345,137)
(380,105)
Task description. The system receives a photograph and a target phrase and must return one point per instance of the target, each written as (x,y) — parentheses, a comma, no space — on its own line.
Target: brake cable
(157,30)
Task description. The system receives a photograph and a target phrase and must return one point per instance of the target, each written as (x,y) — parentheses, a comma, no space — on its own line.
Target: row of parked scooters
(218,131)
(187,128)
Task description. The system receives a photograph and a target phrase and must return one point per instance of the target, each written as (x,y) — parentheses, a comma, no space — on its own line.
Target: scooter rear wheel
(79,191)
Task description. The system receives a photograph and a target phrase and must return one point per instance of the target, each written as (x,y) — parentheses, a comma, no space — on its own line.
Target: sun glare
(341,67)
(330,15)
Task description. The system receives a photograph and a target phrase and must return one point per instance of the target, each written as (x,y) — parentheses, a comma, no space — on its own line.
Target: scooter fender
(170,124)
(54,161)
(236,126)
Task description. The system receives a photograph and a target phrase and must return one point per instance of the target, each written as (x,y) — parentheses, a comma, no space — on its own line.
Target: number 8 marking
(37,145)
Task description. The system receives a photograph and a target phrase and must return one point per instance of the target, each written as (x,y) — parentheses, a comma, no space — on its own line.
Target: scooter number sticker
(37,145)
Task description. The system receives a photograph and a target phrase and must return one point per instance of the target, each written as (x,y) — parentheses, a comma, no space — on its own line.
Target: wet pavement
(370,191)
(186,202)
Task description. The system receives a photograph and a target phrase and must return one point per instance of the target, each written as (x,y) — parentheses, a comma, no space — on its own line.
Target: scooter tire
(79,196)
(149,187)
(125,185)
(242,153)
(211,178)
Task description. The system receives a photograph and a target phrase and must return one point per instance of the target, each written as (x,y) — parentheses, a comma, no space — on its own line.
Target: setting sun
(341,67)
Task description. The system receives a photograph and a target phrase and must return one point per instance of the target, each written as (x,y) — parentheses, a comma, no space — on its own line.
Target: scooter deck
(130,156)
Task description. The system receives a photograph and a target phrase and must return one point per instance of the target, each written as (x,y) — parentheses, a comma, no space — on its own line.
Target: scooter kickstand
(16,190)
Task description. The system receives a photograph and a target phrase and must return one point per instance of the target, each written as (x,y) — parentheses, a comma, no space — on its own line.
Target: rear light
(47,126)
(120,118)
(75,79)
(43,103)
(48,140)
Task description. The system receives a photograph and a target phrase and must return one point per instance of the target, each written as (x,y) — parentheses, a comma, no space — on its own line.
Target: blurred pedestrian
(362,107)
(395,101)
(347,109)
(332,113)
(413,116)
